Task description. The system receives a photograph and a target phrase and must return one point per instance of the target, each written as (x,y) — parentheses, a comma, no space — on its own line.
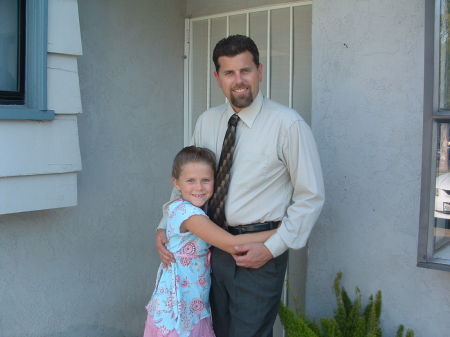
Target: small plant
(350,319)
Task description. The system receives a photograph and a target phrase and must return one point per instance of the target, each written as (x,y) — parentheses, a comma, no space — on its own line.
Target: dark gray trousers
(244,301)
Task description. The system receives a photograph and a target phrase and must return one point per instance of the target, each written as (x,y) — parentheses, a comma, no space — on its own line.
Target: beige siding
(40,147)
(30,193)
(64,27)
(63,84)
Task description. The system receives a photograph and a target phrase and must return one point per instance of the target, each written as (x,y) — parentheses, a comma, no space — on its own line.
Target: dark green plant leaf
(400,331)
(409,333)
(293,324)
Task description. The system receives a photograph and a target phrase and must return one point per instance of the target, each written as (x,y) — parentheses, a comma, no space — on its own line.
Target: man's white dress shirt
(276,172)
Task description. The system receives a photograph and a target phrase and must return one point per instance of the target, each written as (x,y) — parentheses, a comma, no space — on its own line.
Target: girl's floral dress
(179,305)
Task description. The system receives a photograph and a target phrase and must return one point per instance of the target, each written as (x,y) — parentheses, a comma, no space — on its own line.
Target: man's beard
(240,101)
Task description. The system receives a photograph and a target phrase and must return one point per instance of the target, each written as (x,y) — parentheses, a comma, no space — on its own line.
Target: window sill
(437,264)
(20,113)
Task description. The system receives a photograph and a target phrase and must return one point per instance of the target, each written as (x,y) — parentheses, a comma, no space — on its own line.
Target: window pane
(441,229)
(9,44)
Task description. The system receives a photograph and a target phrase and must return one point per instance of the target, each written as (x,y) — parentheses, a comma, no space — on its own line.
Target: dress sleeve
(181,212)
(174,196)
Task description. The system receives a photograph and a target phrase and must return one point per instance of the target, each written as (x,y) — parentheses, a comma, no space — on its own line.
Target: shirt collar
(249,114)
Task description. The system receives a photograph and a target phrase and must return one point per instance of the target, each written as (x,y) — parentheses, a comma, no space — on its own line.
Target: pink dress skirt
(202,329)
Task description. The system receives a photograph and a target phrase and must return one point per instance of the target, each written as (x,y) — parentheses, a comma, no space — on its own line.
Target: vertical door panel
(301,93)
(238,24)
(258,32)
(279,56)
(218,32)
(198,72)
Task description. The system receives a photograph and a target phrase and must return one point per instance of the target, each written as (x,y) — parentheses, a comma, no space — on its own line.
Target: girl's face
(196,183)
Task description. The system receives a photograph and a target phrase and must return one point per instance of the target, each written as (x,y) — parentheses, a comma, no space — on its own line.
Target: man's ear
(260,72)
(216,76)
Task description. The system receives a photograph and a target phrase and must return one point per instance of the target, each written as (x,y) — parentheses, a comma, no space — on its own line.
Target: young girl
(179,306)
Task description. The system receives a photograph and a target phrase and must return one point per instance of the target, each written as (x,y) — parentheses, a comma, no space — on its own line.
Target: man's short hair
(234,45)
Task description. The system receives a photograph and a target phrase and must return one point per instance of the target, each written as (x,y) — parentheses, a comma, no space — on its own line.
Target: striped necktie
(216,206)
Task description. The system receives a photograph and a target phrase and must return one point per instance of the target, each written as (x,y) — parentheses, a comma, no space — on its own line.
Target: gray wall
(89,270)
(367,119)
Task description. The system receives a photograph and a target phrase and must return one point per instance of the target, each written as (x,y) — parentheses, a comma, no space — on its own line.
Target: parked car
(442,198)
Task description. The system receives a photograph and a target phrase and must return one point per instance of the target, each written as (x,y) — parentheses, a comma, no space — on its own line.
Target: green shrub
(349,320)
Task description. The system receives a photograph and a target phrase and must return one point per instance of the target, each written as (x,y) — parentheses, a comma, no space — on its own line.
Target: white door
(283,36)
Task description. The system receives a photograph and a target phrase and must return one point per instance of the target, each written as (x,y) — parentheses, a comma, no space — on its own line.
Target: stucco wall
(367,119)
(89,270)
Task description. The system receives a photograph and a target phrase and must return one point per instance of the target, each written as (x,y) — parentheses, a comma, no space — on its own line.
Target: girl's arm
(208,231)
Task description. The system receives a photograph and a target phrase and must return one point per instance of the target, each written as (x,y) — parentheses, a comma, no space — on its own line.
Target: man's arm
(160,238)
(302,161)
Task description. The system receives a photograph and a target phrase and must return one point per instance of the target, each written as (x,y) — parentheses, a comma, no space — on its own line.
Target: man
(275,181)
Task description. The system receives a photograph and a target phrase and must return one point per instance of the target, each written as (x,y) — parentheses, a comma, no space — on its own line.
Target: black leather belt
(253,228)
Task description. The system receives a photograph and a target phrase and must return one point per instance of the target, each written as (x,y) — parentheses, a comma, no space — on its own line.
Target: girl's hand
(161,240)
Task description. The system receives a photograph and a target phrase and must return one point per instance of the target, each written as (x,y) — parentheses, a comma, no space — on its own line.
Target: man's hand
(252,255)
(161,240)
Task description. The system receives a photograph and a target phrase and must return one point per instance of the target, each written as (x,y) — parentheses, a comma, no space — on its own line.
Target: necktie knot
(234,119)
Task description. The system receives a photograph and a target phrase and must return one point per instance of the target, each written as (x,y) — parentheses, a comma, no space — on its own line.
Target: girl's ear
(175,183)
